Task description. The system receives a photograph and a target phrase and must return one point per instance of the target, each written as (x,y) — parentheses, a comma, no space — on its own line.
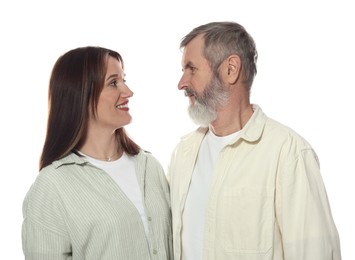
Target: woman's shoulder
(147,156)
(149,161)
(61,172)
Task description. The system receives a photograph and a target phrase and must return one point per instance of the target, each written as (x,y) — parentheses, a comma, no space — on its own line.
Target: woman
(98,194)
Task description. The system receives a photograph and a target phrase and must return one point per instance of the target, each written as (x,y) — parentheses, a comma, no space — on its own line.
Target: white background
(305,80)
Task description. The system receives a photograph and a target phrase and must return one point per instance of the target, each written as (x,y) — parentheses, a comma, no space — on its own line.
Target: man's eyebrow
(189,65)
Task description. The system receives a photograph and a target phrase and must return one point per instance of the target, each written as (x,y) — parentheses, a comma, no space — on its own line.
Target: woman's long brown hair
(75,85)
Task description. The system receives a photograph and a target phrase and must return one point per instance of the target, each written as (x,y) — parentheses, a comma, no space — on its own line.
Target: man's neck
(231,120)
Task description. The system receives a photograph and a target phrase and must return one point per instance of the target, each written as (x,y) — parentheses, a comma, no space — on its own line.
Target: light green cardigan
(75,210)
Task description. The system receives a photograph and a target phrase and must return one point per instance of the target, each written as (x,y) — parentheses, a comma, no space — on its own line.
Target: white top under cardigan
(123,173)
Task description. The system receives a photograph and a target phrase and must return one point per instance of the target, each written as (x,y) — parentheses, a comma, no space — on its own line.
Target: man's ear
(232,69)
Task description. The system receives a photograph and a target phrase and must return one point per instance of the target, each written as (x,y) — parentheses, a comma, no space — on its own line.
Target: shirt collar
(71,158)
(251,132)
(254,128)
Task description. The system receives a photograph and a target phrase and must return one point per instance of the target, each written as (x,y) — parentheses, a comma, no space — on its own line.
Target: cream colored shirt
(267,199)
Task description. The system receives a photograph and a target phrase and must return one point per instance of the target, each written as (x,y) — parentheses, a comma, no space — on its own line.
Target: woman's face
(112,107)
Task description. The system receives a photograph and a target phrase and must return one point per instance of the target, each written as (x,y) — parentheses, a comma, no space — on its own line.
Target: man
(243,186)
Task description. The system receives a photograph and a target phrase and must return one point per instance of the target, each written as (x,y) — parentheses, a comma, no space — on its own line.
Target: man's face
(204,110)
(204,89)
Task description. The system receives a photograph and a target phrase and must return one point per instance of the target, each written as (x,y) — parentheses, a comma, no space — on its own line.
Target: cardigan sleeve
(44,233)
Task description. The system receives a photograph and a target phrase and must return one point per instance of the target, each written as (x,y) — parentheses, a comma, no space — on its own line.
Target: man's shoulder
(199,132)
(285,133)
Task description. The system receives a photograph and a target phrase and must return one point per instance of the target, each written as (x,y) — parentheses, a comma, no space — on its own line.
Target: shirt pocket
(247,220)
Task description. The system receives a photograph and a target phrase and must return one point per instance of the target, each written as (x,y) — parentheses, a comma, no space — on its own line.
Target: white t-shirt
(194,212)
(123,173)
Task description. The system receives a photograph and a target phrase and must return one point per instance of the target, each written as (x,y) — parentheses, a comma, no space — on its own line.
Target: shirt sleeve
(303,212)
(44,233)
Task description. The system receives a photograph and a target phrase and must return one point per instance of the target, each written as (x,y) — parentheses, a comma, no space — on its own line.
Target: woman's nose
(127,91)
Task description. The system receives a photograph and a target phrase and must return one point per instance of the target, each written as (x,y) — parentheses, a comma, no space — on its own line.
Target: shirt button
(155,251)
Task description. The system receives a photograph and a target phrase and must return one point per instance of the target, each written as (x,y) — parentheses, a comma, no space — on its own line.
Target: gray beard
(204,110)
(201,114)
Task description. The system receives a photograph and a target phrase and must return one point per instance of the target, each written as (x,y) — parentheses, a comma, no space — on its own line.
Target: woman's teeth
(122,106)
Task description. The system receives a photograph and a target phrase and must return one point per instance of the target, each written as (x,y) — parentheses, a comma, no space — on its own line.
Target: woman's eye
(113,83)
(116,82)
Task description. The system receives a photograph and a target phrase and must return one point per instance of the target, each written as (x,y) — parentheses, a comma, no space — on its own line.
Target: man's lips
(188,93)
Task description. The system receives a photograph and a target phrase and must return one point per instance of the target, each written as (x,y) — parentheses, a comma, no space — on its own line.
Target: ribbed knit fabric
(74,210)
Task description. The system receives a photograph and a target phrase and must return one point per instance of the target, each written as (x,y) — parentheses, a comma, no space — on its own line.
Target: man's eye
(190,68)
